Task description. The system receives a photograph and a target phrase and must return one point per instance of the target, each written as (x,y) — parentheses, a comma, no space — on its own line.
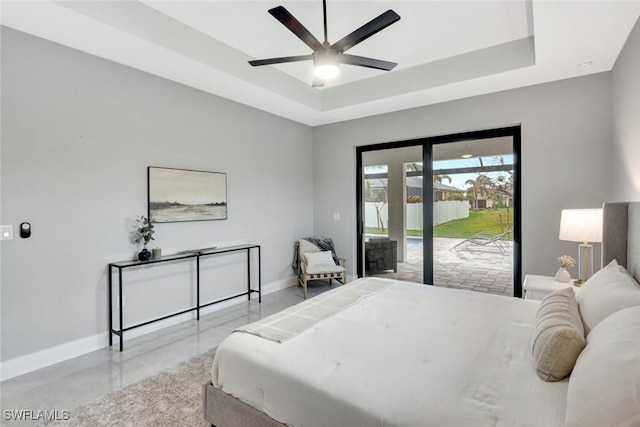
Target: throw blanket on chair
(324,243)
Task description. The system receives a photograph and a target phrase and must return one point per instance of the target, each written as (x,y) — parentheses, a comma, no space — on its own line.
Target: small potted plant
(144,234)
(563,274)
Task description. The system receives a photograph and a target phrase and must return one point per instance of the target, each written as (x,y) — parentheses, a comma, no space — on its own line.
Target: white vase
(563,275)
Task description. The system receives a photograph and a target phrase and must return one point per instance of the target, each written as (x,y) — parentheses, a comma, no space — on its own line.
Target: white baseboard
(50,356)
(277,286)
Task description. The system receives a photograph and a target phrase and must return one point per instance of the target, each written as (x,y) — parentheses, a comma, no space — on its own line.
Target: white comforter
(409,355)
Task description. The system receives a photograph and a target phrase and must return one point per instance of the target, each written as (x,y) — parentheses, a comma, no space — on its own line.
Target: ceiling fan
(328,57)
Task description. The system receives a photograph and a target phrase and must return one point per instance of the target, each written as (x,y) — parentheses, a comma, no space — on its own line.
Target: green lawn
(486,220)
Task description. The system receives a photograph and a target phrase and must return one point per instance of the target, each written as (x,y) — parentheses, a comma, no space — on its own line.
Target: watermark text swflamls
(35,415)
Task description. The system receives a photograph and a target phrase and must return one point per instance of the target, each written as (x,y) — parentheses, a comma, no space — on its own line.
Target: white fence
(442,212)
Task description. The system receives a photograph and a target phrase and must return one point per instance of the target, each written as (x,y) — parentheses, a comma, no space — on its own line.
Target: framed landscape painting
(185,195)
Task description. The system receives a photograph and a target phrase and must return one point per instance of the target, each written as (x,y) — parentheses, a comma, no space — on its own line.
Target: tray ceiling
(445,50)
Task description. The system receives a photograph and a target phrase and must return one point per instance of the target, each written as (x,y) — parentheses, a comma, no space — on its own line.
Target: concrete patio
(477,268)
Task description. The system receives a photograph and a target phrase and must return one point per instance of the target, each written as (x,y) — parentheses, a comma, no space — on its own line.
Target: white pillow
(315,259)
(609,290)
(604,388)
(559,336)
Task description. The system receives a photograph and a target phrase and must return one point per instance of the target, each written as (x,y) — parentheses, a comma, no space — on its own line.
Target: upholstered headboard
(621,235)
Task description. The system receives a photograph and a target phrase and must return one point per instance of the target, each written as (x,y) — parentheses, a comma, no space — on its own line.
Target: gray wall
(626,120)
(78,133)
(565,157)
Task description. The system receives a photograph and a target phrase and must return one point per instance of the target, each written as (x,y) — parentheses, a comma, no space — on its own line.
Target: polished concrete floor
(77,381)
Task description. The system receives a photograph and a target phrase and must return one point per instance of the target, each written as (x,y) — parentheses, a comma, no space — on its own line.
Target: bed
(391,353)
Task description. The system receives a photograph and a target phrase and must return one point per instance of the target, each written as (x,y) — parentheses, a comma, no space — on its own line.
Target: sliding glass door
(442,211)
(392,208)
(473,215)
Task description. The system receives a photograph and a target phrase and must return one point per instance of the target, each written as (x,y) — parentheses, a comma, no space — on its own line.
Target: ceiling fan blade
(317,82)
(288,20)
(270,61)
(366,31)
(361,61)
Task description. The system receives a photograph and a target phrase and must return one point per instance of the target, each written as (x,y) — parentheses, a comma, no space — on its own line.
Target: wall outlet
(6,232)
(336,216)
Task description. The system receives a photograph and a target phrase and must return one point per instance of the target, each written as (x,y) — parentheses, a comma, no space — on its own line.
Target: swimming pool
(411,241)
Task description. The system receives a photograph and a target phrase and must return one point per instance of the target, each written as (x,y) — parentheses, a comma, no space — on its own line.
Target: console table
(195,255)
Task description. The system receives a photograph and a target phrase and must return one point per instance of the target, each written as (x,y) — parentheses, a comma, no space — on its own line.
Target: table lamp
(582,225)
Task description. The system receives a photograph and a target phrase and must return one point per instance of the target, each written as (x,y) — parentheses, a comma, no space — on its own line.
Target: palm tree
(440,178)
(473,188)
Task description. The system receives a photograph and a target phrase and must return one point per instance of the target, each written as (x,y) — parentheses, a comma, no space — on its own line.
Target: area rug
(170,398)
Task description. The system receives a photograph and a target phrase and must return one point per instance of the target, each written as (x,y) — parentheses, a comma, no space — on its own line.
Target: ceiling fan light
(326,64)
(326,71)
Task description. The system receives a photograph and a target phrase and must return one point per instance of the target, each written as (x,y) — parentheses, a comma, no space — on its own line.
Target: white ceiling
(445,50)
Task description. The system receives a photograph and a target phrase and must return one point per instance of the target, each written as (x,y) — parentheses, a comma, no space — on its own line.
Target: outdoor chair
(381,254)
(485,238)
(315,264)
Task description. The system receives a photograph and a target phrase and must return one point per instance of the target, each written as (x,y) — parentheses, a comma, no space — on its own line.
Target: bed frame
(620,241)
(223,410)
(621,235)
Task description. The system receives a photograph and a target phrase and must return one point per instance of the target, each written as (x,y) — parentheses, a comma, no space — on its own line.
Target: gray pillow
(559,335)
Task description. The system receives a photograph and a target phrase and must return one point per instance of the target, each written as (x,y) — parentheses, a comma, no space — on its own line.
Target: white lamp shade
(581,225)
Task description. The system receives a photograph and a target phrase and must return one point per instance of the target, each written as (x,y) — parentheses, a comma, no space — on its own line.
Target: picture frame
(179,195)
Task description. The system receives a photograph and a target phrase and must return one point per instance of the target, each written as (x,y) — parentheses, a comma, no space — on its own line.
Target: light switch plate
(6,232)
(336,216)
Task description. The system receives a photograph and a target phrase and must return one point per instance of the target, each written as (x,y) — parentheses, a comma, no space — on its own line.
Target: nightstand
(537,287)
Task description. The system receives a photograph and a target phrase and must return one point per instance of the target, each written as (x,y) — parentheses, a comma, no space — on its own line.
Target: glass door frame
(427,170)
